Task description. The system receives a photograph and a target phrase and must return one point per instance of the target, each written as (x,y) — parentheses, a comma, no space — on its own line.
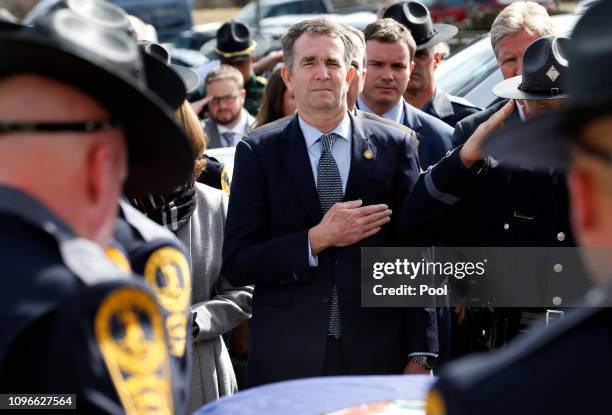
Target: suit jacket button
(506,226)
(325,300)
(561,236)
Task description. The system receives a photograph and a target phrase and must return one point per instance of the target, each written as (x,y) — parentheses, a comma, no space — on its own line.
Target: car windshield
(247,14)
(467,68)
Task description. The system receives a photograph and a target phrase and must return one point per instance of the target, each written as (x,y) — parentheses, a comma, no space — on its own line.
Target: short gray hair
(315,27)
(521,15)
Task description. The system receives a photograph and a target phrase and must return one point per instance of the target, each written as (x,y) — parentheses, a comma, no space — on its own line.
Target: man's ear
(350,74)
(243,95)
(287,78)
(411,66)
(99,164)
(437,59)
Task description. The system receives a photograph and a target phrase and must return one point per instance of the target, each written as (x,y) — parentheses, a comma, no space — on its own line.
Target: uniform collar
(439,106)
(17,203)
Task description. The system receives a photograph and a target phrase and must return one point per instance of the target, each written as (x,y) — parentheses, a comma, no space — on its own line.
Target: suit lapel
(297,164)
(410,118)
(360,166)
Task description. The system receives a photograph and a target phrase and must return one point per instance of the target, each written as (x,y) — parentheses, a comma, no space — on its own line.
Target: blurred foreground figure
(72,320)
(566,368)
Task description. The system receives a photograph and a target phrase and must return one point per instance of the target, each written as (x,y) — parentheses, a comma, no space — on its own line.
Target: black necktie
(329,187)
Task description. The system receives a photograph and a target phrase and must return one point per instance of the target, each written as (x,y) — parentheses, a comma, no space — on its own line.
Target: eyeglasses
(53,127)
(227,99)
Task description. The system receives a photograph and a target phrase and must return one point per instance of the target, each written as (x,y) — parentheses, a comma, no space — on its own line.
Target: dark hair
(271,108)
(389,31)
(315,27)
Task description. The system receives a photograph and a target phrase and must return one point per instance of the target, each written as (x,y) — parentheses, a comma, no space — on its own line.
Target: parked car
(169,17)
(472,72)
(274,8)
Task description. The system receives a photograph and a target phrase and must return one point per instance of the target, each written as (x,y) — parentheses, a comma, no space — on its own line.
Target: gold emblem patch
(130,334)
(167,271)
(434,404)
(117,257)
(225,182)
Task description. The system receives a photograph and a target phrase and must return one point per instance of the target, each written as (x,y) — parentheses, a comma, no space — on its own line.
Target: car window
(282,9)
(467,68)
(312,7)
(248,12)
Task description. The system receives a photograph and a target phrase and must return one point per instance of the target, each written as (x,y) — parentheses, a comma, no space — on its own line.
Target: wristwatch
(424,360)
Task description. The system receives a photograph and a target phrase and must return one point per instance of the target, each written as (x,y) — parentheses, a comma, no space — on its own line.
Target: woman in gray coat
(196,214)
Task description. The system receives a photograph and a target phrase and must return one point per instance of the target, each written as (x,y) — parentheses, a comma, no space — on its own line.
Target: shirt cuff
(423,354)
(313,261)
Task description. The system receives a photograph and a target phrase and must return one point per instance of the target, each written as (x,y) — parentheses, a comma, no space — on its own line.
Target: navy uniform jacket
(564,369)
(71,321)
(273,204)
(466,127)
(490,205)
(215,174)
(449,108)
(157,257)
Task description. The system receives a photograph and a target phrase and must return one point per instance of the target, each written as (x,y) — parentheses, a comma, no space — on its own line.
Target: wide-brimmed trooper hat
(546,141)
(158,80)
(416,17)
(545,66)
(70,46)
(234,42)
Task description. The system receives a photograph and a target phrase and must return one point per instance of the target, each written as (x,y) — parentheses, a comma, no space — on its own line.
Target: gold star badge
(368,155)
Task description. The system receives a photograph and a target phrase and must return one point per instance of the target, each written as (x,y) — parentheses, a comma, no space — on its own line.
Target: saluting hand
(347,223)
(471,151)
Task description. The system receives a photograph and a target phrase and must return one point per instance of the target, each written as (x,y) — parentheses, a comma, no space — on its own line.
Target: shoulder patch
(167,272)
(261,80)
(225,181)
(130,334)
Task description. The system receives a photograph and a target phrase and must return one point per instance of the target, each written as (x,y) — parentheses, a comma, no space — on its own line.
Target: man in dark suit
(422,91)
(564,369)
(512,31)
(389,53)
(306,196)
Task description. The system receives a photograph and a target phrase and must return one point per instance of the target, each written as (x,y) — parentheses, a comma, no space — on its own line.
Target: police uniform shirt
(254,87)
(72,322)
(449,108)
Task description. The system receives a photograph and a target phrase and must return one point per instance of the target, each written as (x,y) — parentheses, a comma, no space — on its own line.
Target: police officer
(71,320)
(236,47)
(473,200)
(422,91)
(566,368)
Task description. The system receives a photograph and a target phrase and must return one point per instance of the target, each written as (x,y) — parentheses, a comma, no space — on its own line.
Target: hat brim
(508,88)
(160,155)
(189,76)
(263,44)
(544,142)
(445,32)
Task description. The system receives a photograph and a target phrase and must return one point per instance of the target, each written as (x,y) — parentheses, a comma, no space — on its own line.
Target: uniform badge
(167,271)
(368,155)
(225,182)
(129,331)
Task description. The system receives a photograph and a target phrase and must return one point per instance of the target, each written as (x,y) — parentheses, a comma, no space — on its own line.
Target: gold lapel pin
(368,155)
